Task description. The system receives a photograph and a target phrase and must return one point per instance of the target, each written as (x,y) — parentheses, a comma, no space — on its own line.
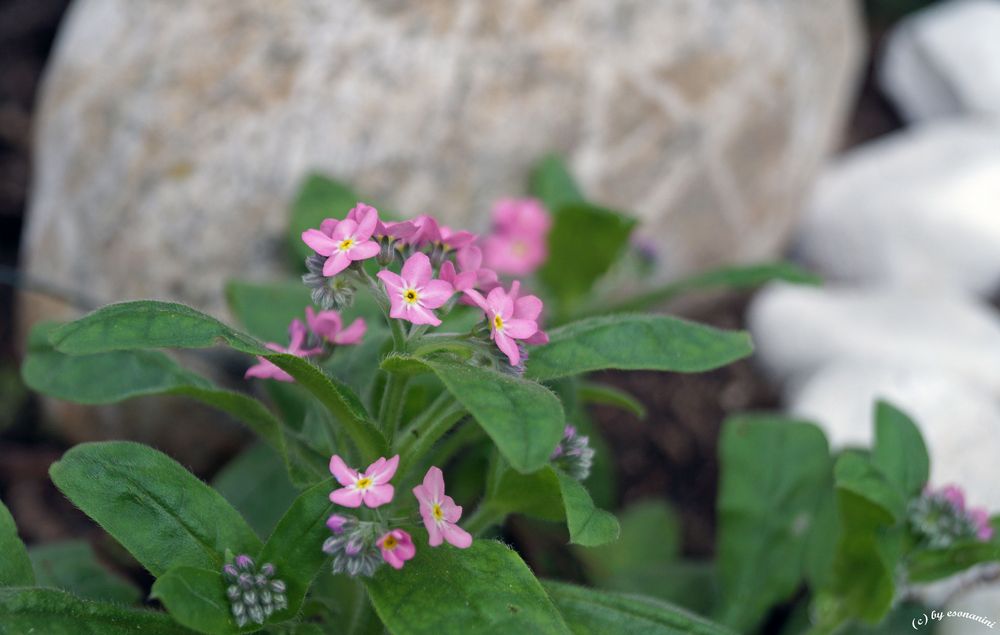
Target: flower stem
(485,516)
(420,436)
(391,407)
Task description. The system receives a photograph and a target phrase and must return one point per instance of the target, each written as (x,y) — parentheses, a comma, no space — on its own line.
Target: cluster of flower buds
(253,594)
(573,455)
(353,545)
(941,518)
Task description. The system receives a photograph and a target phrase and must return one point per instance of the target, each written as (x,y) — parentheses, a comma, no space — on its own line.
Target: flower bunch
(254,594)
(940,517)
(325,331)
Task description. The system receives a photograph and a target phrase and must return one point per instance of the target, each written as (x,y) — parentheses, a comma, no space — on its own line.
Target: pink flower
(395,231)
(519,242)
(397,547)
(344,241)
(264,369)
(981,519)
(336,523)
(330,326)
(470,274)
(413,294)
(954,495)
(430,232)
(440,513)
(511,317)
(371,487)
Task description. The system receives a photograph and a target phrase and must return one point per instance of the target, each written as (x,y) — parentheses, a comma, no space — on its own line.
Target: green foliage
(55,612)
(899,451)
(256,484)
(635,342)
(266,310)
(551,182)
(928,565)
(584,242)
(319,197)
(72,566)
(598,612)
(602,394)
(650,536)
(774,472)
(155,508)
(196,598)
(15,567)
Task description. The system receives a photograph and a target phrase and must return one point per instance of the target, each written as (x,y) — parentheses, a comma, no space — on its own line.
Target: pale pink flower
(439,511)
(330,326)
(981,519)
(954,495)
(344,241)
(397,547)
(264,369)
(401,230)
(470,273)
(430,232)
(529,307)
(511,317)
(370,487)
(413,294)
(518,244)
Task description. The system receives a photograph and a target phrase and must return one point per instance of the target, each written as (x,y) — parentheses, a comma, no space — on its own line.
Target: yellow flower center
(346,244)
(390,542)
(519,248)
(411,296)
(498,322)
(436,512)
(363,483)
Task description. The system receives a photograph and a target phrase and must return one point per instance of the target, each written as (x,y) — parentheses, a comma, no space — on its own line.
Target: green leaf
(114,376)
(928,565)
(155,508)
(295,548)
(15,567)
(266,309)
(726,278)
(196,598)
(524,419)
(551,182)
(484,589)
(856,473)
(899,452)
(774,473)
(319,198)
(551,495)
(635,342)
(584,242)
(598,612)
(55,612)
(72,566)
(650,536)
(255,483)
(605,395)
(153,324)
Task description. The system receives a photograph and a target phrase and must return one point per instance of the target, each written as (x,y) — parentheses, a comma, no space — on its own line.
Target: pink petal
(336,263)
(266,370)
(344,475)
(456,536)
(366,226)
(434,484)
(421,315)
(406,549)
(435,293)
(393,283)
(452,512)
(447,272)
(520,329)
(328,225)
(477,299)
(382,471)
(528,308)
(423,496)
(509,348)
(392,559)
(540,337)
(500,303)
(465,280)
(363,251)
(469,258)
(344,229)
(319,242)
(296,335)
(417,269)
(353,333)
(346,497)
(434,534)
(378,495)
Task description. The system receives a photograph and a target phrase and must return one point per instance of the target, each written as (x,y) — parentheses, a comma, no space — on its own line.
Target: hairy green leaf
(635,342)
(602,394)
(72,566)
(155,508)
(15,567)
(650,537)
(255,483)
(55,612)
(484,589)
(588,611)
(196,598)
(928,565)
(899,452)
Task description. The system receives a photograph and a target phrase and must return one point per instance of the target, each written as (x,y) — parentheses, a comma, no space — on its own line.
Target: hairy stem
(485,516)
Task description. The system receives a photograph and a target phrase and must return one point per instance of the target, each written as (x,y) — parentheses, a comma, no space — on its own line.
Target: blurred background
(152,150)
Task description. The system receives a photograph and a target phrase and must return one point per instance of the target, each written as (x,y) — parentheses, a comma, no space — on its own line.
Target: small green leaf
(15,567)
(196,598)
(856,473)
(928,565)
(155,508)
(774,473)
(55,612)
(650,537)
(899,452)
(255,483)
(551,182)
(484,589)
(588,525)
(598,612)
(72,566)
(266,309)
(524,419)
(584,242)
(295,548)
(635,342)
(153,324)
(605,395)
(319,198)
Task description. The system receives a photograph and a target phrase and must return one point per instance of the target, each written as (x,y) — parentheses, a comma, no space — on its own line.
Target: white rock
(945,61)
(959,422)
(920,208)
(798,330)
(982,601)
